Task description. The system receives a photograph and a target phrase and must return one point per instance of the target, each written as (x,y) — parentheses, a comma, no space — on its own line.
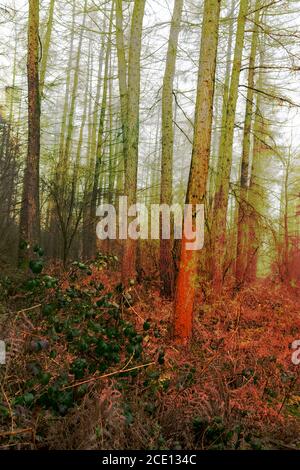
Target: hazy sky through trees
(281,52)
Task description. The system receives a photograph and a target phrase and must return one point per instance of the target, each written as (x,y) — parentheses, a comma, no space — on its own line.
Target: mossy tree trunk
(219,219)
(187,276)
(167,140)
(30,210)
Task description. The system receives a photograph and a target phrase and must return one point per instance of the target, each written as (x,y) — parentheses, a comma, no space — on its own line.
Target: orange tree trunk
(187,276)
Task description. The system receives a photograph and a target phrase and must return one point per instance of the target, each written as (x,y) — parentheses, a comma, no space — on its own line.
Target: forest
(149,225)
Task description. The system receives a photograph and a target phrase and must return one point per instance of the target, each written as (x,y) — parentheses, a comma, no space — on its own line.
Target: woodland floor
(236,388)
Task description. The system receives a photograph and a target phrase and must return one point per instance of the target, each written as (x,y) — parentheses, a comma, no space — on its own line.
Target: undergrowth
(91,365)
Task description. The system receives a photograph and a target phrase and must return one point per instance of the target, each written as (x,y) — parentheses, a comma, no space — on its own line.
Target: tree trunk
(286,269)
(225,92)
(46,45)
(53,249)
(242,209)
(225,156)
(216,141)
(30,211)
(86,229)
(255,193)
(66,153)
(92,240)
(166,258)
(131,165)
(122,75)
(186,281)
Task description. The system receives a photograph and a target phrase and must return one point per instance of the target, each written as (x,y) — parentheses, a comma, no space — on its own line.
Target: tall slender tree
(30,210)
(133,108)
(225,155)
(46,46)
(65,161)
(122,74)
(187,276)
(244,174)
(167,140)
(88,233)
(100,144)
(255,191)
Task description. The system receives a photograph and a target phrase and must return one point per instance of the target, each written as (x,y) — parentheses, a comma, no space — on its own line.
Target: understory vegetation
(91,365)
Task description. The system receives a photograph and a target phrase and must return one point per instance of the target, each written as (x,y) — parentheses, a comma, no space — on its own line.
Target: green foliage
(88,322)
(161,357)
(38,250)
(23,245)
(78,368)
(147,325)
(215,434)
(103,260)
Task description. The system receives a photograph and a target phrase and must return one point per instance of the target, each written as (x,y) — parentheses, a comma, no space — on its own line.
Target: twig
(137,314)
(128,362)
(131,307)
(14,433)
(27,309)
(9,407)
(108,375)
